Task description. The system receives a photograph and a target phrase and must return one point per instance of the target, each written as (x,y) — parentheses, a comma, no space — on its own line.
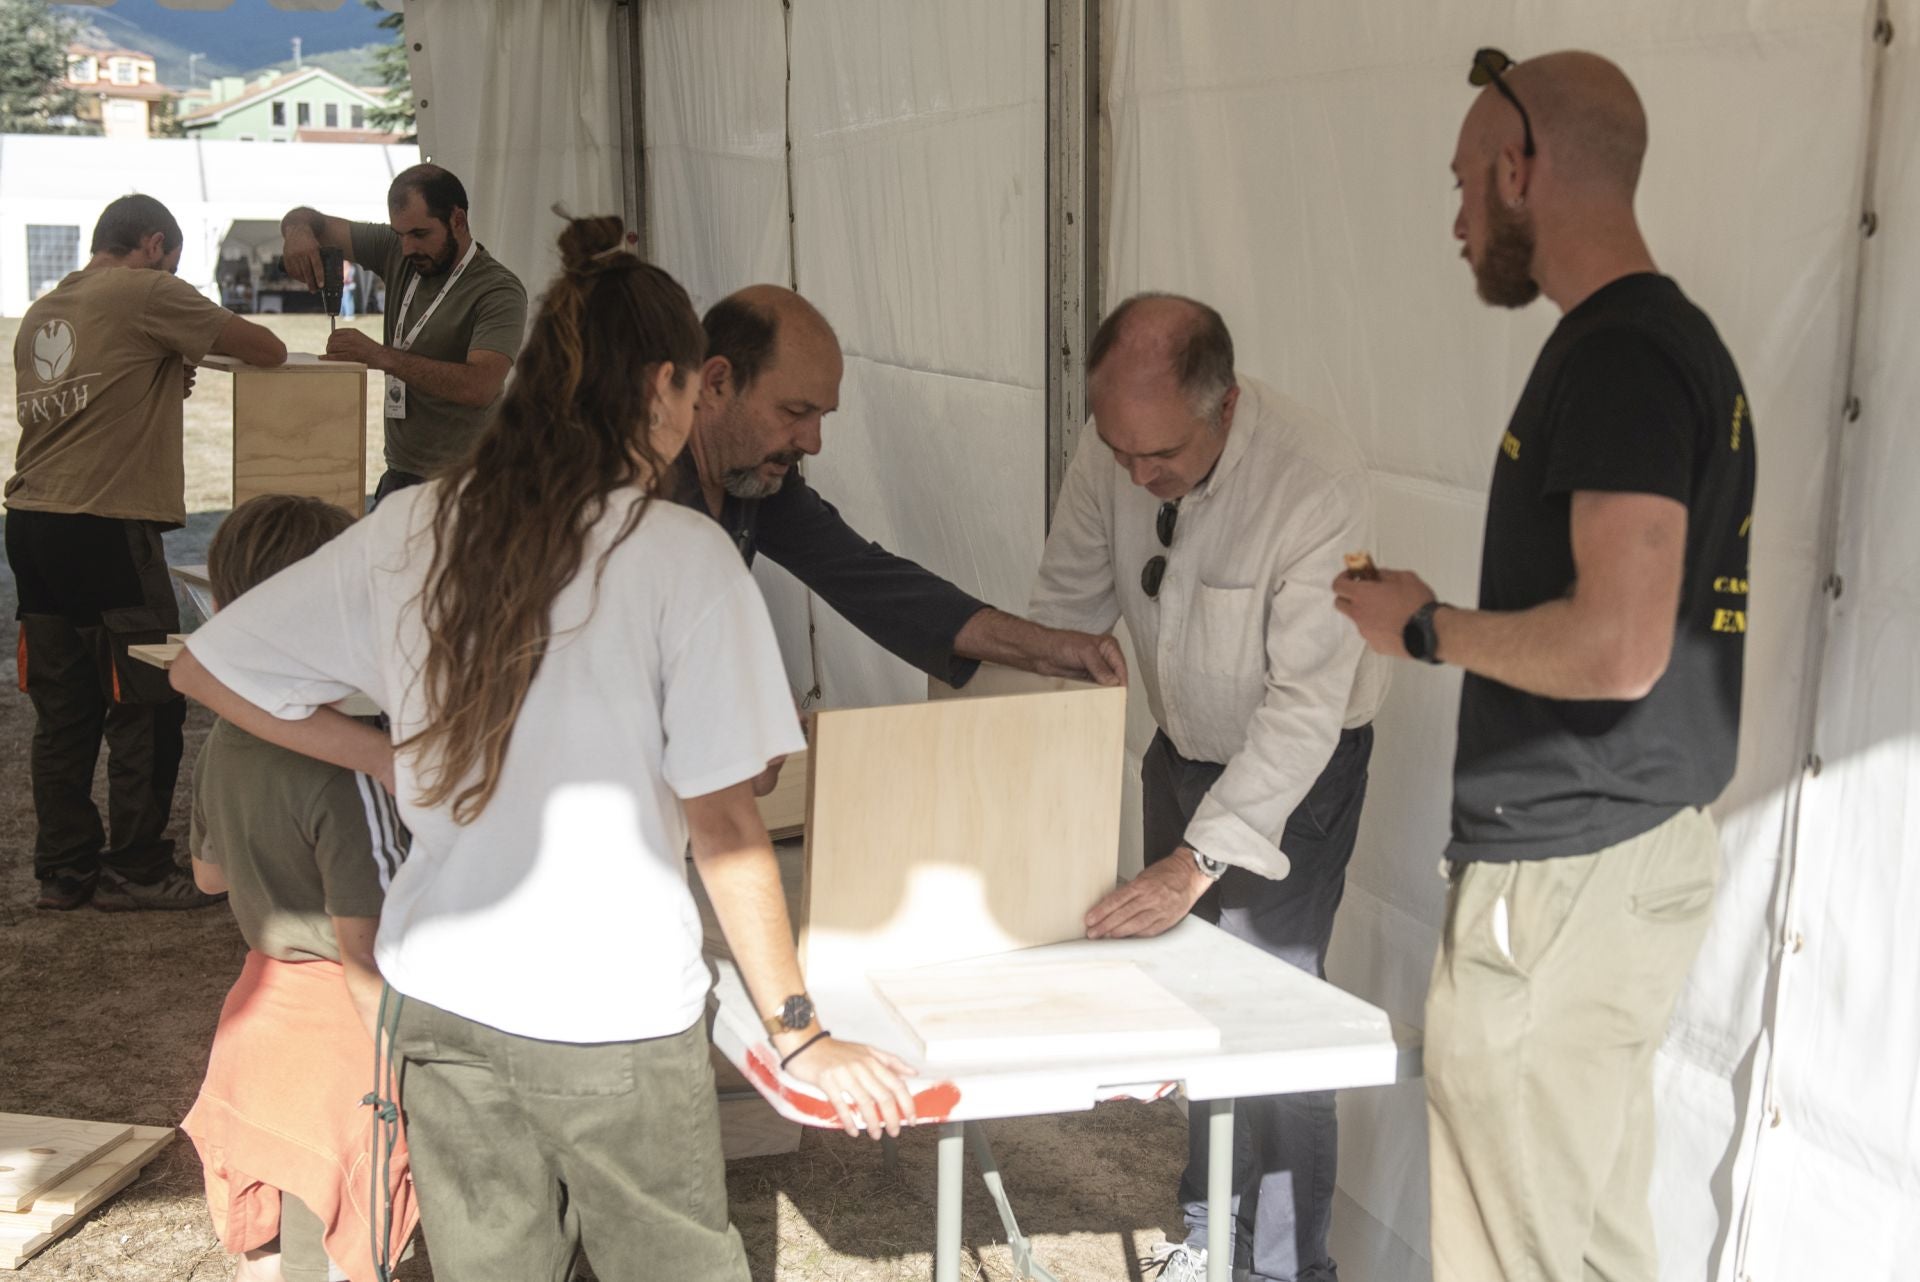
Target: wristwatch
(794,1014)
(1212,868)
(1419,637)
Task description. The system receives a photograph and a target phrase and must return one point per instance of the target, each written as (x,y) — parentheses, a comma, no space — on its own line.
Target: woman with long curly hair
(579,680)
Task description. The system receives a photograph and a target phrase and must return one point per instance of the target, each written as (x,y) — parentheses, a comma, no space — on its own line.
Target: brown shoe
(64,894)
(115,894)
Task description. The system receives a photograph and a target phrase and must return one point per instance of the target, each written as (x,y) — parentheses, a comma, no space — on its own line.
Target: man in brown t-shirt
(102,364)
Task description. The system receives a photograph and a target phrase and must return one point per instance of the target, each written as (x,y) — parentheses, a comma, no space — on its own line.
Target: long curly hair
(510,525)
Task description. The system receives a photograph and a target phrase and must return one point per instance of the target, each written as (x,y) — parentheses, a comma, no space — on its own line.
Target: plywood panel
(961,828)
(784,810)
(60,1209)
(1078,1010)
(991,679)
(38,1152)
(301,430)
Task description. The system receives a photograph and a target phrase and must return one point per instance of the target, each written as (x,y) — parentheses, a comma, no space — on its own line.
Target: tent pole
(1073,224)
(630,68)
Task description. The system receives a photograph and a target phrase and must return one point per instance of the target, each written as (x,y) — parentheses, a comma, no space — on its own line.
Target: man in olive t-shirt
(101,366)
(455,317)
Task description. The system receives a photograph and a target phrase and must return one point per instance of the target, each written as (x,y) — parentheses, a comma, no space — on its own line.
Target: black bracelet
(794,1054)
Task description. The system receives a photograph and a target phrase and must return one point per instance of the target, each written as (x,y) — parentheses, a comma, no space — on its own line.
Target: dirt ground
(109,1017)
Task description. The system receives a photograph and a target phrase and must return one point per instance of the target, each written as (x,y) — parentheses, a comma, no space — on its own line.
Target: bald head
(1588,124)
(1151,341)
(752,326)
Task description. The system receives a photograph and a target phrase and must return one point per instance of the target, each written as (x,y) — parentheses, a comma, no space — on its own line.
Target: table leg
(1219,1190)
(951,1181)
(1025,1266)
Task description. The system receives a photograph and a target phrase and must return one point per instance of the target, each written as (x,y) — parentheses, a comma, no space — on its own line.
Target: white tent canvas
(55,181)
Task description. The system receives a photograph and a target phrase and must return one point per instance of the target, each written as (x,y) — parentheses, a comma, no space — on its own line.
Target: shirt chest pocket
(1226,631)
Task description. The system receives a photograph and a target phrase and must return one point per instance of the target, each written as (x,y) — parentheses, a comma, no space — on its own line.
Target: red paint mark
(934,1104)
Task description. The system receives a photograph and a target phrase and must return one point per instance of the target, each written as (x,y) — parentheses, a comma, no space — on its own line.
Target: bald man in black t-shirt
(1600,712)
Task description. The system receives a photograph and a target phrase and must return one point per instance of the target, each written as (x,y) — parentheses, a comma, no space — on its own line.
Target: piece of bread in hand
(1360,566)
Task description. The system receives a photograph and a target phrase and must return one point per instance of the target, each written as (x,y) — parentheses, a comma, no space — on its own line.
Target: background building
(309,105)
(118,90)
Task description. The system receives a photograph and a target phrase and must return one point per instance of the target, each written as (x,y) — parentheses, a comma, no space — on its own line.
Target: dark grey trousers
(89,587)
(1285,1146)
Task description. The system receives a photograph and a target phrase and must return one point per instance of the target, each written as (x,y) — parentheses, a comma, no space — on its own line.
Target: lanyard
(405,340)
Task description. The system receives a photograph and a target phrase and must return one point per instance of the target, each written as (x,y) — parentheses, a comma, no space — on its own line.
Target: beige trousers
(1552,991)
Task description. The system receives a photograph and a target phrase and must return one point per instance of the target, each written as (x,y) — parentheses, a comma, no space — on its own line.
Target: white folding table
(1281,1031)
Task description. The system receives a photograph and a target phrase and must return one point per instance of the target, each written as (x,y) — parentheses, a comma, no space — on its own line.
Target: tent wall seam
(813,694)
(1820,622)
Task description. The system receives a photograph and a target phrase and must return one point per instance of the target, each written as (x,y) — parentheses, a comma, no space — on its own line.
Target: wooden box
(299,428)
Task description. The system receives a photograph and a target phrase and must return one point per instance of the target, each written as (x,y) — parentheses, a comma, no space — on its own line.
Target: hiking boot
(64,894)
(115,894)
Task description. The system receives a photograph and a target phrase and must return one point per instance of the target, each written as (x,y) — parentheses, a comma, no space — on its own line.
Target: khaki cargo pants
(1552,991)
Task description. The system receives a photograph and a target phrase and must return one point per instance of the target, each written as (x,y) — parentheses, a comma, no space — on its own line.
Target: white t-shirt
(562,911)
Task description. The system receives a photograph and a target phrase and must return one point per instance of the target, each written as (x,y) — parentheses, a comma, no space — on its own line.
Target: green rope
(386,1137)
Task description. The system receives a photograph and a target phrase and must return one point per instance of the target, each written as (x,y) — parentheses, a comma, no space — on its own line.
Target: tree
(34,96)
(390,64)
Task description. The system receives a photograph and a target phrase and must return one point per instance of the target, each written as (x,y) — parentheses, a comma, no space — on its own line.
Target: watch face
(796,1012)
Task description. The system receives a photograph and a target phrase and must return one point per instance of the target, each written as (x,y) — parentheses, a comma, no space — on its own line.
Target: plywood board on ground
(301,429)
(36,1153)
(943,830)
(24,1235)
(784,810)
(979,1012)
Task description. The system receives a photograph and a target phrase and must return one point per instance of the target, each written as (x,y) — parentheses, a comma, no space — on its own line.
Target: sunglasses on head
(1155,570)
(1490,66)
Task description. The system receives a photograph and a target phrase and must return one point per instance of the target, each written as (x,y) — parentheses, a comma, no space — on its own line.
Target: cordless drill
(333,273)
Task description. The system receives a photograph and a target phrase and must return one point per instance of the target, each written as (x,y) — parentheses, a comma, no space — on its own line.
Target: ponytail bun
(589,246)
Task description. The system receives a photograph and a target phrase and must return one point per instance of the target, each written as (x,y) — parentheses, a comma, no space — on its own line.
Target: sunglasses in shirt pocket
(134,682)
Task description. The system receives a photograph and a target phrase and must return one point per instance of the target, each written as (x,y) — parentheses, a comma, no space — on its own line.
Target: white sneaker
(1178,1262)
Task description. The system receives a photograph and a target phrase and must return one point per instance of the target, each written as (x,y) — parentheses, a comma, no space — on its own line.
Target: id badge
(396,404)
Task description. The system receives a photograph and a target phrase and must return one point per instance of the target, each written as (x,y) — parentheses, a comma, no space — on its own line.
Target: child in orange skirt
(300,1182)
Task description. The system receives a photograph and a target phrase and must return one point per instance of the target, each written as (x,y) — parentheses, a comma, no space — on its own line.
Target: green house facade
(309,105)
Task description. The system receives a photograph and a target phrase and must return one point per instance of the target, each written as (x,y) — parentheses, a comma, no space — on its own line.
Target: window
(52,252)
(303,114)
(280,115)
(332,115)
(125,71)
(84,71)
(357,116)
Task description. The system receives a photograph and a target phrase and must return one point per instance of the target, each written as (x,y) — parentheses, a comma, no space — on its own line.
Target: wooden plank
(990,679)
(1074,1010)
(82,1195)
(160,654)
(301,429)
(38,1152)
(784,810)
(961,828)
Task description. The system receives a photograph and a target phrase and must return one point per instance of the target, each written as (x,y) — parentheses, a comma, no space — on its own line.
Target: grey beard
(747,483)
